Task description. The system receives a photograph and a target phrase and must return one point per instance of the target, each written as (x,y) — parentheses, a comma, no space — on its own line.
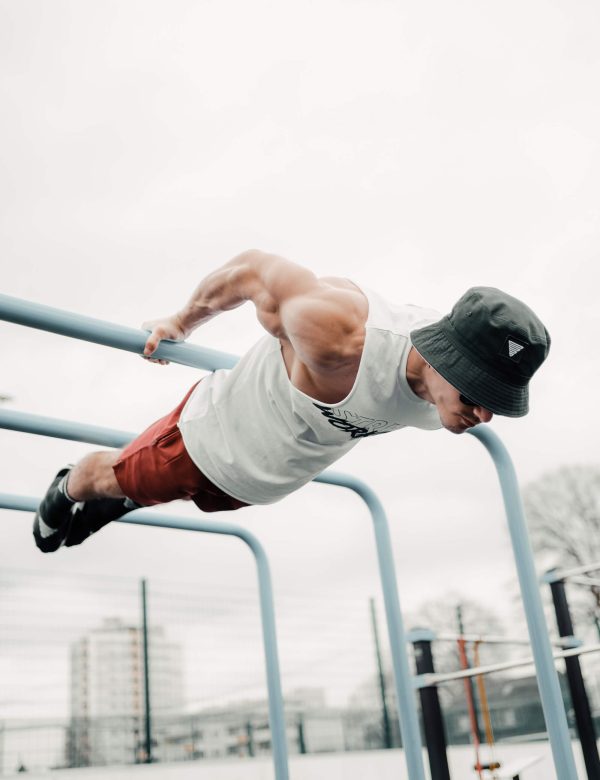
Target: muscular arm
(320,321)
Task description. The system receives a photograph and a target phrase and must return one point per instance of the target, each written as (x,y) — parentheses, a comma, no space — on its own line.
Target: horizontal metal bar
(63,429)
(79,326)
(587,581)
(491,639)
(427,680)
(554,575)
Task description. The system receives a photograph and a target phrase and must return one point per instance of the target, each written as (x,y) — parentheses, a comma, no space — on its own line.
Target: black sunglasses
(467,401)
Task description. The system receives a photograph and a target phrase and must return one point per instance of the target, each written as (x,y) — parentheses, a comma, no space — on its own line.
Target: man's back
(258,436)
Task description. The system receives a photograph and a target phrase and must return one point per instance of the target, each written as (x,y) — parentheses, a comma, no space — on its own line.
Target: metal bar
(408,717)
(86,328)
(563,574)
(146,656)
(438,679)
(490,640)
(79,326)
(587,581)
(407,709)
(387,732)
(143,517)
(550,693)
(433,720)
(63,429)
(579,697)
(469,687)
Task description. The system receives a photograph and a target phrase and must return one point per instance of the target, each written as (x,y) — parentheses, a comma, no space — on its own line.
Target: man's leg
(93,477)
(80,501)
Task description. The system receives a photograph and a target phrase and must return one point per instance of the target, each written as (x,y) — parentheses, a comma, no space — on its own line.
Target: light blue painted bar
(79,326)
(405,695)
(409,725)
(552,702)
(24,422)
(142,517)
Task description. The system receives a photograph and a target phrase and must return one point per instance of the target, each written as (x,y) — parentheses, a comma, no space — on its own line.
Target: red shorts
(155,468)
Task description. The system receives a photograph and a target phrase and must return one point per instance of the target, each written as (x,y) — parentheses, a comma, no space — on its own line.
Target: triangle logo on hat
(512,349)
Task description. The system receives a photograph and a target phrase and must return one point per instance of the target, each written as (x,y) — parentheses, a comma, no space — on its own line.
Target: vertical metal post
(403,680)
(250,737)
(301,736)
(550,693)
(433,720)
(579,697)
(387,732)
(147,707)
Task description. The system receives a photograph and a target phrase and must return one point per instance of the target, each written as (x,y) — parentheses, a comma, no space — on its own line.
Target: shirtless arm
(320,322)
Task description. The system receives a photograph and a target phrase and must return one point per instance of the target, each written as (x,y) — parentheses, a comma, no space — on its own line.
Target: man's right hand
(167,328)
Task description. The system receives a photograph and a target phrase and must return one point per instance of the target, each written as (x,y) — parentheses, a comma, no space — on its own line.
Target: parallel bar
(79,326)
(407,707)
(562,574)
(143,517)
(587,581)
(550,693)
(482,639)
(25,422)
(438,679)
(408,717)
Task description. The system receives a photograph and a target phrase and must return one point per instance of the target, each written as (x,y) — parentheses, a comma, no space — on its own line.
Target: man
(338,364)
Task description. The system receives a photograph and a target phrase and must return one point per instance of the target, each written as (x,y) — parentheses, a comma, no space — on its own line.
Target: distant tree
(563,512)
(441,616)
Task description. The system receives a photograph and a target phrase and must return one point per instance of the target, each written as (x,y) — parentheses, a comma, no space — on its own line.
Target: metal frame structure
(100,332)
(427,681)
(141,517)
(584,720)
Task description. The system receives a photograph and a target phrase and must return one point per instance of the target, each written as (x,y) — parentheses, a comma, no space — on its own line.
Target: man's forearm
(222,290)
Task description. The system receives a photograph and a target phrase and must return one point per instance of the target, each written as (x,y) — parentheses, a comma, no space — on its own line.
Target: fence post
(146,660)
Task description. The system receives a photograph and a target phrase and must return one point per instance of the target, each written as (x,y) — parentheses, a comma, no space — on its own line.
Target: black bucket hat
(488,348)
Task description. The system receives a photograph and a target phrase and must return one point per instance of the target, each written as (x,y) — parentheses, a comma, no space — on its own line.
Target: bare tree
(441,616)
(563,512)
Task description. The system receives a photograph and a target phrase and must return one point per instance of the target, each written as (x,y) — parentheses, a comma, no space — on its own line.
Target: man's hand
(169,328)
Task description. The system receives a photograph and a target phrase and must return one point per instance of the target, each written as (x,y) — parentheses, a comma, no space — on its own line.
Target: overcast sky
(417,148)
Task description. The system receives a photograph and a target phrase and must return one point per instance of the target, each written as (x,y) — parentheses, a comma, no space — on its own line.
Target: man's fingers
(150,347)
(152,342)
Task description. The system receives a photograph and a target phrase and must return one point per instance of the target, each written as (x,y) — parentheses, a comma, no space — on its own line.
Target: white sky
(418,149)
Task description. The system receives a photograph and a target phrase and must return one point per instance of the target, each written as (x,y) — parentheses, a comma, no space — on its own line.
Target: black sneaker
(90,516)
(61,521)
(53,517)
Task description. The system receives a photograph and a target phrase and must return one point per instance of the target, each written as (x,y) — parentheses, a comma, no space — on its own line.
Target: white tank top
(258,438)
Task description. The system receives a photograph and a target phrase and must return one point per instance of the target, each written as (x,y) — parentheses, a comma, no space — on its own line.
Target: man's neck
(415,375)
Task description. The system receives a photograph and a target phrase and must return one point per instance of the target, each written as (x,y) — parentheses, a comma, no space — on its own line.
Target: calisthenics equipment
(427,682)
(89,329)
(557,580)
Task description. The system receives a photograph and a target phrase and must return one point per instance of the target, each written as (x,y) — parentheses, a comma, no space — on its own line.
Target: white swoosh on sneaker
(45,530)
